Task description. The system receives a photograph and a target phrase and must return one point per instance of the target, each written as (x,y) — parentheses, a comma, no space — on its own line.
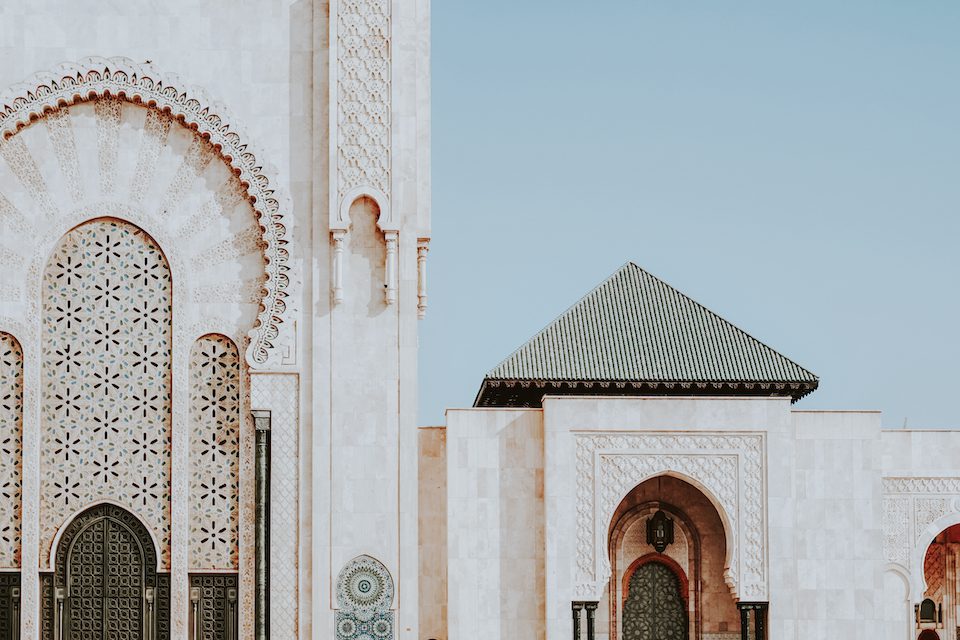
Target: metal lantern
(660,531)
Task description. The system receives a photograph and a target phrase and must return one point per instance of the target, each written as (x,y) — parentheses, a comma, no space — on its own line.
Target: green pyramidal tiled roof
(636,335)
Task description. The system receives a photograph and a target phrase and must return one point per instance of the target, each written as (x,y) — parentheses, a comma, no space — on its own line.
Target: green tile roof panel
(635,327)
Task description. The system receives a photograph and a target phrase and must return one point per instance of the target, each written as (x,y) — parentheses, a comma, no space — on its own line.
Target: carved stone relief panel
(11,438)
(214,453)
(729,466)
(910,506)
(106,378)
(363,96)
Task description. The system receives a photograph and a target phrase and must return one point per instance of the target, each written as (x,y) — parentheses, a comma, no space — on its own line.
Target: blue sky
(794,167)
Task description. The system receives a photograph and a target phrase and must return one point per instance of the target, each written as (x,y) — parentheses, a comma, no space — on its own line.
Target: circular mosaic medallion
(347,628)
(382,628)
(365,585)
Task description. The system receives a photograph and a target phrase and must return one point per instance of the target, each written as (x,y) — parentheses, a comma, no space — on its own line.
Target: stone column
(261,421)
(576,607)
(591,608)
(759,611)
(760,621)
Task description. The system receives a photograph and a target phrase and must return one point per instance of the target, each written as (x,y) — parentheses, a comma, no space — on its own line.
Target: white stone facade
(277,156)
(830,514)
(253,179)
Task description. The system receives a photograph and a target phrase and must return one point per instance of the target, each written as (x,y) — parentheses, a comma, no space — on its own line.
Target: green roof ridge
(669,333)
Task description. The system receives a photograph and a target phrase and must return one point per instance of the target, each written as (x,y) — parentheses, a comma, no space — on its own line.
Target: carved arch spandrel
(915,511)
(727,467)
(113,82)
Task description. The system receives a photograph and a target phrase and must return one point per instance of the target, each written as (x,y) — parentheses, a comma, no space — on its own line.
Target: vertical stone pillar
(591,608)
(760,621)
(577,607)
(758,612)
(261,624)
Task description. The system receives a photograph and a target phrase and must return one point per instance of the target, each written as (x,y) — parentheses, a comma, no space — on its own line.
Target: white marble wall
(838,542)
(822,475)
(495,524)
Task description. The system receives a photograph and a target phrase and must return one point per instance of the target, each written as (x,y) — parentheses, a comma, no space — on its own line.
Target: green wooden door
(654,609)
(105,573)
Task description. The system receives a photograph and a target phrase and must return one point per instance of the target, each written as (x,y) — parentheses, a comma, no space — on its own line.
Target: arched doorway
(655,606)
(695,552)
(106,585)
(937,611)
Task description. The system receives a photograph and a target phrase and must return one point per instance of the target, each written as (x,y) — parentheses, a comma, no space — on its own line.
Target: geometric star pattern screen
(106,378)
(11,431)
(214,453)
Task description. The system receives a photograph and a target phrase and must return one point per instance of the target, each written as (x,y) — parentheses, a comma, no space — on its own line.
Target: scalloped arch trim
(94,78)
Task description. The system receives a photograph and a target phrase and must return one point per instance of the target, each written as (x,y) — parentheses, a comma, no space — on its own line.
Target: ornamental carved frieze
(729,466)
(110,83)
(363,99)
(910,506)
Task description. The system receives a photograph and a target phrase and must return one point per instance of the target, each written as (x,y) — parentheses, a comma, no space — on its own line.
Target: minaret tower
(374,104)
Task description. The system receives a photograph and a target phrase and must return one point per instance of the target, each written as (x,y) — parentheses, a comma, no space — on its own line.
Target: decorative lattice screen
(11,431)
(106,353)
(214,453)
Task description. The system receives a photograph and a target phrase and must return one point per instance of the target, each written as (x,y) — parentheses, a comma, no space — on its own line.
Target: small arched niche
(696,553)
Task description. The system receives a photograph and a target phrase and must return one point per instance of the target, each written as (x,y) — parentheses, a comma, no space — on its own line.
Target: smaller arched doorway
(937,612)
(105,579)
(655,600)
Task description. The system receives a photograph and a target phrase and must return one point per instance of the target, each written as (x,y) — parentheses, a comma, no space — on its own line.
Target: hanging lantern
(660,531)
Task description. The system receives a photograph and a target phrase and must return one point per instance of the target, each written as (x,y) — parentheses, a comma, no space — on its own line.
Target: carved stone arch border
(391,236)
(385,221)
(93,78)
(101,509)
(728,467)
(915,511)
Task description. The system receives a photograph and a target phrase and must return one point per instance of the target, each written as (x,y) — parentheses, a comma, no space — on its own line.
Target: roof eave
(794,389)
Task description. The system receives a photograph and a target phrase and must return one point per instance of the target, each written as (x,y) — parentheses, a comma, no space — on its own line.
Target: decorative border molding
(910,506)
(921,485)
(95,78)
(728,467)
